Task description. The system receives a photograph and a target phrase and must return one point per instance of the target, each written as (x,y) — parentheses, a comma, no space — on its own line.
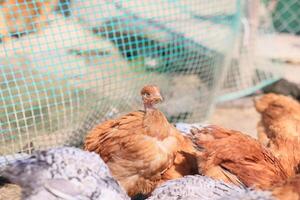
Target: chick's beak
(158,98)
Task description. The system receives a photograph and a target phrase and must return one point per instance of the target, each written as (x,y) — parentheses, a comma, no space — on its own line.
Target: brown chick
(290,190)
(23,16)
(231,156)
(279,129)
(140,148)
(280,115)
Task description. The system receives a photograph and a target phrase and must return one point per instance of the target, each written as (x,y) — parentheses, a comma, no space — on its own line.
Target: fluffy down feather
(64,173)
(205,188)
(280,116)
(249,194)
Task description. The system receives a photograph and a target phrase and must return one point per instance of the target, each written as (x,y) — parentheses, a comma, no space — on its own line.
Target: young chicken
(24,16)
(279,129)
(205,188)
(280,115)
(234,157)
(64,173)
(142,149)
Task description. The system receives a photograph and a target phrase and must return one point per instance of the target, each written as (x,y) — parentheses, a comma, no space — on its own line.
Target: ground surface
(237,114)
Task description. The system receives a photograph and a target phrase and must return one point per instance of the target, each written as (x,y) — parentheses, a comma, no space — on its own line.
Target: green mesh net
(68,65)
(286,15)
(252,65)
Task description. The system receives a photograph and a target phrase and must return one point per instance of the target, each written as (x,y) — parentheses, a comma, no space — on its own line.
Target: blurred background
(67,65)
(271,43)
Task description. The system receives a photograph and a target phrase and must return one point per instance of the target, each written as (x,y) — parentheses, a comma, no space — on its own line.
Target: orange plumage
(279,129)
(234,157)
(290,190)
(141,148)
(185,161)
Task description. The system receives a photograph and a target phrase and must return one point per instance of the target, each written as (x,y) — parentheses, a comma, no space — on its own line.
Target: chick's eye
(147,94)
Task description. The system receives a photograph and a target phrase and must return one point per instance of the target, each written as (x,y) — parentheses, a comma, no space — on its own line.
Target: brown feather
(185,162)
(234,157)
(290,190)
(134,155)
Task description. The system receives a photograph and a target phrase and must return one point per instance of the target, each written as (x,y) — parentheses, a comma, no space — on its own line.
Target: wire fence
(285,15)
(67,65)
(252,67)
